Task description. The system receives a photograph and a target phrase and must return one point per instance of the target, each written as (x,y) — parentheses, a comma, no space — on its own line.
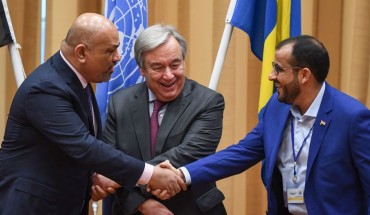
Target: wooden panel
(95,6)
(308,16)
(31,35)
(58,23)
(329,29)
(355,70)
(200,41)
(163,11)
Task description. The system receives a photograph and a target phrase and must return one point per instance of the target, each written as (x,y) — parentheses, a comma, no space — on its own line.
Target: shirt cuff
(186,175)
(147,174)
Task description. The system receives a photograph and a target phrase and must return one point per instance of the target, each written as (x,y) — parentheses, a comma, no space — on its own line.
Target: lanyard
(295,157)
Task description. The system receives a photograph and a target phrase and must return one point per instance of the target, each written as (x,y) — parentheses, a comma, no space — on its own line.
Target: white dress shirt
(285,162)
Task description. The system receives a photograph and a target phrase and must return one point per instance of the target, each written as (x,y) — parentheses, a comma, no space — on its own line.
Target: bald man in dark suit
(51,145)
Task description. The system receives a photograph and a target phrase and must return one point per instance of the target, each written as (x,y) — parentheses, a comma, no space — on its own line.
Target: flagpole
(221,55)
(222,50)
(17,63)
(14,50)
(95,207)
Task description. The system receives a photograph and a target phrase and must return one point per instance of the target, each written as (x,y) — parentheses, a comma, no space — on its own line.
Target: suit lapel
(173,112)
(77,88)
(71,79)
(321,127)
(97,116)
(140,116)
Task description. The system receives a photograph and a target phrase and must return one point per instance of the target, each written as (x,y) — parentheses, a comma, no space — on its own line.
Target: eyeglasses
(278,69)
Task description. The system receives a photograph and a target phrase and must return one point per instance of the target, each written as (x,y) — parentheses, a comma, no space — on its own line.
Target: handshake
(165,183)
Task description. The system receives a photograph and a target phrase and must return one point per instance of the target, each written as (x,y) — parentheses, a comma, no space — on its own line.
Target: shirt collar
(314,107)
(80,77)
(151,95)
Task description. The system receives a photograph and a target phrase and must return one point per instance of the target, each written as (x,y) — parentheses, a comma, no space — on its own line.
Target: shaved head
(91,47)
(87,28)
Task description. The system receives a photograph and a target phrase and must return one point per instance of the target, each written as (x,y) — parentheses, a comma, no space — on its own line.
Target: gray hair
(154,36)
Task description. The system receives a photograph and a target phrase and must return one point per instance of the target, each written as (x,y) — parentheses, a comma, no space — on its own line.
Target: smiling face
(164,70)
(285,77)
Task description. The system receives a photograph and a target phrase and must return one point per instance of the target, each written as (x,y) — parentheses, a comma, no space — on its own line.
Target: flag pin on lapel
(322,123)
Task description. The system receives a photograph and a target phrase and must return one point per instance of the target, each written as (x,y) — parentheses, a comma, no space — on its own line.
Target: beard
(290,91)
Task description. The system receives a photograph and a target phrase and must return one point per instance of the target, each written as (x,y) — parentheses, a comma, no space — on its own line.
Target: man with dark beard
(315,140)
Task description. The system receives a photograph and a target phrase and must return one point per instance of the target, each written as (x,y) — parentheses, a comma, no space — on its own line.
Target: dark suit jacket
(191,129)
(338,168)
(48,153)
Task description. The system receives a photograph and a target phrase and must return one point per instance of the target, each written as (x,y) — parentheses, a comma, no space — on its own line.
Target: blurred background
(342,25)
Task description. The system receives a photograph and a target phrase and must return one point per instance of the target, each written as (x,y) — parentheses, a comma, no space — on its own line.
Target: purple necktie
(88,89)
(154,125)
(89,97)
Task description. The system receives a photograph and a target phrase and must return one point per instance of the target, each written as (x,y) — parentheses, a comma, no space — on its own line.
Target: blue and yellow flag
(267,22)
(131,18)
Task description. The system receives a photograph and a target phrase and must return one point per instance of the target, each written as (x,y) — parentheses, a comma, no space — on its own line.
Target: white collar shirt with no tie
(285,161)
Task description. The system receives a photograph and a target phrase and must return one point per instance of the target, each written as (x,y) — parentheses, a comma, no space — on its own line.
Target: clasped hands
(165,183)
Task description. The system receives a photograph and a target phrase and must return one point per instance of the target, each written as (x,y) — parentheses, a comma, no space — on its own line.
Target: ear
(306,75)
(80,52)
(142,71)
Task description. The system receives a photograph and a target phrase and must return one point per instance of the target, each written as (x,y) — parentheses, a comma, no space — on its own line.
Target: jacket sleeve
(360,147)
(58,113)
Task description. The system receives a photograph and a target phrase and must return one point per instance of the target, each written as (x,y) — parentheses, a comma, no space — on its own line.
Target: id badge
(294,194)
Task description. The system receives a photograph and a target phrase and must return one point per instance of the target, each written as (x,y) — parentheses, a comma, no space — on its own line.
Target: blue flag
(258,18)
(130,17)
